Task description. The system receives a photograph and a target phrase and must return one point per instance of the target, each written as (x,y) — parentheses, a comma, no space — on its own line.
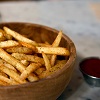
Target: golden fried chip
(31,68)
(31,58)
(19,37)
(19,50)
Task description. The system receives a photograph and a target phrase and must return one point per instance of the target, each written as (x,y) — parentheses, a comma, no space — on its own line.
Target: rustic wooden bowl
(51,87)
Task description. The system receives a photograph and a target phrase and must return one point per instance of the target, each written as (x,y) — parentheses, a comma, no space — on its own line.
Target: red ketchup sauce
(91,66)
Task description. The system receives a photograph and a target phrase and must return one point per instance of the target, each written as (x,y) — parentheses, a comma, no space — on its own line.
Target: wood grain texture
(51,87)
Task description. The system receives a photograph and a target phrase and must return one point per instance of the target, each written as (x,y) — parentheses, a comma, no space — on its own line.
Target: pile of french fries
(24,60)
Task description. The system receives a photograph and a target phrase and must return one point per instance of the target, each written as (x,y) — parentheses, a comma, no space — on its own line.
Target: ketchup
(91,66)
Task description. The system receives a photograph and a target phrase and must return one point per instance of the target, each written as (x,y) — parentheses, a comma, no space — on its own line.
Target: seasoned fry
(3,74)
(11,60)
(57,40)
(46,60)
(19,37)
(31,68)
(57,66)
(3,62)
(25,62)
(53,50)
(2,37)
(19,50)
(6,81)
(31,58)
(11,73)
(53,59)
(32,77)
(40,70)
(8,43)
(28,46)
(6,36)
(10,66)
(56,44)
(2,83)
(44,45)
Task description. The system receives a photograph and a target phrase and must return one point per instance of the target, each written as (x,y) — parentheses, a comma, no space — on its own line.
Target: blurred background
(79,19)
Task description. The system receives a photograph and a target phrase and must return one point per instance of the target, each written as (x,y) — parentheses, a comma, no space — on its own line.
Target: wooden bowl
(51,87)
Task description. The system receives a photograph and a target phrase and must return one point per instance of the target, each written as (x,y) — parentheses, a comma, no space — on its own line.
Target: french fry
(25,62)
(31,58)
(19,37)
(53,50)
(46,60)
(6,81)
(56,44)
(28,46)
(2,83)
(40,70)
(6,36)
(32,77)
(18,65)
(18,49)
(57,40)
(10,66)
(7,65)
(31,68)
(8,43)
(11,73)
(3,74)
(44,45)
(2,37)
(53,69)
(11,60)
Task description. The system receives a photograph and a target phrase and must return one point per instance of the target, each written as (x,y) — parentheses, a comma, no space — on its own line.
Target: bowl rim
(57,73)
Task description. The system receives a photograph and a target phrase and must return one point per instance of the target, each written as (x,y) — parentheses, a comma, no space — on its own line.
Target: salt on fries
(23,60)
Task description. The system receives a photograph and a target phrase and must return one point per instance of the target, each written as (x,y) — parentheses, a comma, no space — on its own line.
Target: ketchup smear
(91,66)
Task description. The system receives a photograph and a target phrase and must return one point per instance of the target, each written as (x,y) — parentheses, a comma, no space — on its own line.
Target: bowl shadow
(75,82)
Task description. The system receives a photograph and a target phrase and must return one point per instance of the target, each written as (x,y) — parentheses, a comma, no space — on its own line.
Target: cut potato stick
(32,77)
(28,46)
(31,58)
(57,40)
(7,65)
(2,83)
(25,62)
(6,81)
(44,45)
(53,50)
(56,44)
(11,60)
(57,66)
(6,36)
(8,43)
(40,70)
(31,68)
(10,66)
(2,37)
(46,60)
(19,50)
(19,37)
(3,74)
(49,50)
(11,73)
(53,59)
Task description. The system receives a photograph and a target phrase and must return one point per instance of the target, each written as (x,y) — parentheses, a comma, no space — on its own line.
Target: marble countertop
(79,19)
